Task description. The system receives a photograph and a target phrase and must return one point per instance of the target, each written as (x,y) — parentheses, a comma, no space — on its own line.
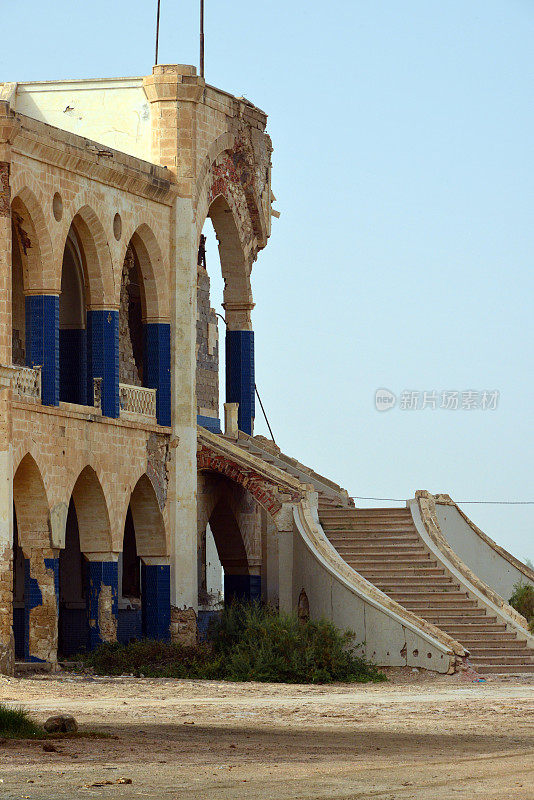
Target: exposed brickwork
(158,453)
(5,194)
(263,490)
(214,147)
(207,350)
(130,331)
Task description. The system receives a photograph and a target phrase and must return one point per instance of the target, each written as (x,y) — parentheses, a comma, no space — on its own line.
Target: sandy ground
(420,736)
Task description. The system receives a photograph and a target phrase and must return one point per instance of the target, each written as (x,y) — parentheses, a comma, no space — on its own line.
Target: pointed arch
(153,273)
(92,513)
(34,245)
(95,256)
(31,506)
(150,534)
(234,266)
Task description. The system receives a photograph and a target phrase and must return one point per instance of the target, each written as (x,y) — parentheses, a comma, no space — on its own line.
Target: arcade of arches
(109,360)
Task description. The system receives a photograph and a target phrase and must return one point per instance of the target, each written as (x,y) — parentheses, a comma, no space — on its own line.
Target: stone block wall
(207,350)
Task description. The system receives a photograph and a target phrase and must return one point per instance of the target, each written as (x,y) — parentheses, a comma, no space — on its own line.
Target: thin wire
(459,502)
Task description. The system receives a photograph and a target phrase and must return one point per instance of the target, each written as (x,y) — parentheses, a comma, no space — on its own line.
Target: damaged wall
(207,348)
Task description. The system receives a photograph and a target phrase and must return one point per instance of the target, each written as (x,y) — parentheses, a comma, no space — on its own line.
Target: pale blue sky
(403,168)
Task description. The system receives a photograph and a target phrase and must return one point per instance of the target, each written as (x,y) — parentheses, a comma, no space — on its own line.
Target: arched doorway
(72,622)
(144,602)
(231,285)
(144,327)
(39,595)
(87,570)
(73,382)
(130,623)
(234,518)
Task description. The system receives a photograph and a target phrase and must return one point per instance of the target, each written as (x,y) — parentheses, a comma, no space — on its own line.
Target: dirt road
(419,737)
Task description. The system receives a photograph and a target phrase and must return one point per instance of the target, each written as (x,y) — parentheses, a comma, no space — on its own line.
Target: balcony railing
(132,399)
(137,400)
(27,382)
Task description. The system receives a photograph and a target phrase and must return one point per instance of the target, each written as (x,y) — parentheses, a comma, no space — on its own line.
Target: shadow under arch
(144,320)
(144,571)
(88,569)
(240,579)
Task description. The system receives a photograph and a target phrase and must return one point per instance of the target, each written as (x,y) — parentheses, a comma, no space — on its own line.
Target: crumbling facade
(116,480)
(109,347)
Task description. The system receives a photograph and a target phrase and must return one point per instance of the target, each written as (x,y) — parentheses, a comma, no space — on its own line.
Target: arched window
(72,326)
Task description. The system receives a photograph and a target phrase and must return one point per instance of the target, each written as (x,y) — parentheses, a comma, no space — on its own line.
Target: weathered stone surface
(184,626)
(62,723)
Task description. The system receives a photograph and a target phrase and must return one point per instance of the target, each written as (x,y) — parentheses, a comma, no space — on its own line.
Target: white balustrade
(132,399)
(137,400)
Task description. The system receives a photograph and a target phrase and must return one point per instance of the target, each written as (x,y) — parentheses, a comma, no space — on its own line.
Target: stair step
(513,648)
(411,573)
(440,597)
(485,635)
(346,531)
(461,623)
(495,669)
(368,549)
(502,659)
(421,561)
(407,587)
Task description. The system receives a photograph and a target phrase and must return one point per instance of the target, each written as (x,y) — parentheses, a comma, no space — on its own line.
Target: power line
(458,502)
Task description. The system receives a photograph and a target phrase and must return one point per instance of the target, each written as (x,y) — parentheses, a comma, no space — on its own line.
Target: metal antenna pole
(157,32)
(201,38)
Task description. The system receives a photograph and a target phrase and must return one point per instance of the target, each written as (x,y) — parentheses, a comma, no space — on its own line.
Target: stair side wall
(425,521)
(386,633)
(498,569)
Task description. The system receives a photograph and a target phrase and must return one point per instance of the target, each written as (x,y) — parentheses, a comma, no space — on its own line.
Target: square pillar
(103,358)
(42,343)
(156,601)
(240,382)
(157,367)
(41,592)
(102,601)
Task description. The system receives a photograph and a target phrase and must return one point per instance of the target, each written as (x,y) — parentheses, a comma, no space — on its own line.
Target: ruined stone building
(118,469)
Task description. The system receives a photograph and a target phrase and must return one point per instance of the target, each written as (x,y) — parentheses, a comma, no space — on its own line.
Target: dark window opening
(131,564)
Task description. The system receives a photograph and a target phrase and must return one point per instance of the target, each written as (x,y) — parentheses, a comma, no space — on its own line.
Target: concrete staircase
(383,545)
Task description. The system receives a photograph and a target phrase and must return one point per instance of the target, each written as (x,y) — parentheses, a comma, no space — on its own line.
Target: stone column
(102,597)
(156,599)
(7,645)
(284,523)
(103,357)
(8,130)
(41,596)
(174,91)
(240,380)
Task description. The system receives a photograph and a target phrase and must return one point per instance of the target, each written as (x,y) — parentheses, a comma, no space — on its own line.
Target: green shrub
(248,642)
(523,601)
(15,723)
(257,643)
